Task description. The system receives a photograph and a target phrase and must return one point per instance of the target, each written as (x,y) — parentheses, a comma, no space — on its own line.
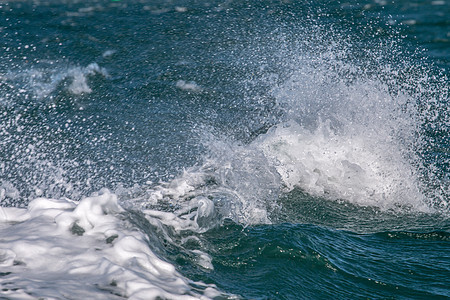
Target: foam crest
(188,86)
(42,81)
(347,134)
(355,168)
(84,249)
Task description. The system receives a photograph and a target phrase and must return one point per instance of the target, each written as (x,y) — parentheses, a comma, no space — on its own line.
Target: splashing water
(280,121)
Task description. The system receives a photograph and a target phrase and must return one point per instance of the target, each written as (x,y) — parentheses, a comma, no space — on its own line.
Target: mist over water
(224,150)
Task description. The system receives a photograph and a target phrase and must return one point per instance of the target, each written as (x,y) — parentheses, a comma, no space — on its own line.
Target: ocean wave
(85,249)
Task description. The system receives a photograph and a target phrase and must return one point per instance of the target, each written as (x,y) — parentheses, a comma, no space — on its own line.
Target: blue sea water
(262,149)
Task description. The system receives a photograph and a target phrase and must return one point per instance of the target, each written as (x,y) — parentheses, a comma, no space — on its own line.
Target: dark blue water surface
(128,95)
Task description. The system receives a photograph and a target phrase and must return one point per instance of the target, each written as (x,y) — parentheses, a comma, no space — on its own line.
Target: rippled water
(224,149)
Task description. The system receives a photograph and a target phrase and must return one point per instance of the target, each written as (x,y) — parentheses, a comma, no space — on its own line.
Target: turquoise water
(268,149)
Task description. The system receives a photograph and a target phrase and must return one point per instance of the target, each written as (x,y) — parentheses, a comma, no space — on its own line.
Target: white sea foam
(181,9)
(84,250)
(42,81)
(109,53)
(346,135)
(79,83)
(355,168)
(188,86)
(7,190)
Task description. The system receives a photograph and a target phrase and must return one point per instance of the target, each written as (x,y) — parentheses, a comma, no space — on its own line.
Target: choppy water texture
(224,149)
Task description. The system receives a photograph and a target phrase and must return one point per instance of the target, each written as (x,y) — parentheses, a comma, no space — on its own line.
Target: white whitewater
(59,249)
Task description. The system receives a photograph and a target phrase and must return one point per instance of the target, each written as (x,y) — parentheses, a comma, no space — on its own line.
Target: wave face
(224,150)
